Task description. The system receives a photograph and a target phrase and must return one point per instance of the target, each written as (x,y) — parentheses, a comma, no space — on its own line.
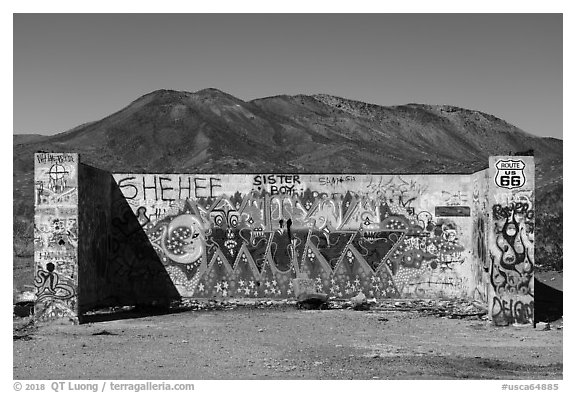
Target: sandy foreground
(284,342)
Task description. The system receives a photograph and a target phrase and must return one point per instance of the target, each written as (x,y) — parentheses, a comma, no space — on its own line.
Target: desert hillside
(210,131)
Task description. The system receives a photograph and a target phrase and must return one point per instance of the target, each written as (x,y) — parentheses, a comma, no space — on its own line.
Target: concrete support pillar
(510,234)
(56,236)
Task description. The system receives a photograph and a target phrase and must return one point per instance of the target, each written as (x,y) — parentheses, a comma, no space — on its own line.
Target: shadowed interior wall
(249,235)
(135,274)
(94,228)
(56,236)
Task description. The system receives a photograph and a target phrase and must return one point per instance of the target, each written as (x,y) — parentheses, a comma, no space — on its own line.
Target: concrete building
(105,239)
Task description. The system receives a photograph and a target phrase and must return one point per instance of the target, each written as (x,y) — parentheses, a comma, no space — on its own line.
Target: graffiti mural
(134,272)
(56,236)
(56,179)
(250,235)
(481,268)
(512,250)
(145,239)
(513,254)
(481,262)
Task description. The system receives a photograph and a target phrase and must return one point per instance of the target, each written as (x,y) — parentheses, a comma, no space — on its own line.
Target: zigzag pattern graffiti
(253,246)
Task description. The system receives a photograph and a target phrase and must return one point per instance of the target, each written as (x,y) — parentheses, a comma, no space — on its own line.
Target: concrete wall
(481,262)
(126,239)
(94,209)
(56,236)
(249,235)
(90,250)
(510,236)
(135,274)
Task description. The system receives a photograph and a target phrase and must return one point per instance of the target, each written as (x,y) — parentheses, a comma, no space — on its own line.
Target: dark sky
(70,69)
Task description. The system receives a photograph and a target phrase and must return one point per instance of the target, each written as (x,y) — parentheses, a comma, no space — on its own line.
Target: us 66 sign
(510,174)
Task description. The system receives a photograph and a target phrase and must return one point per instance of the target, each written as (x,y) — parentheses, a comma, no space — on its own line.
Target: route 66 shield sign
(510,174)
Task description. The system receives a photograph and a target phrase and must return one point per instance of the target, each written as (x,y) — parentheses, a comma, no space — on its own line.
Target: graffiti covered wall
(481,262)
(511,239)
(134,273)
(106,239)
(90,250)
(56,236)
(249,235)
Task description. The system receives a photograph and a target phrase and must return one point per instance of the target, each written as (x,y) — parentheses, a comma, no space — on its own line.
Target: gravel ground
(283,342)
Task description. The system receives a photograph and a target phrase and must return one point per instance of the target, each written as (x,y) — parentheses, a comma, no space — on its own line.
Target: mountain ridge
(211,131)
(300,129)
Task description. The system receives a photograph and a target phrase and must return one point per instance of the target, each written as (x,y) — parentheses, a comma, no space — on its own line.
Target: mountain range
(210,131)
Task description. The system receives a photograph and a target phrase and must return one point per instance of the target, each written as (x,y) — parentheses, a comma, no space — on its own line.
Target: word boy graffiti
(278,184)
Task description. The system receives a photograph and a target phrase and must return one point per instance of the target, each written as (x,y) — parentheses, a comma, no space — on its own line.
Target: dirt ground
(287,343)
(551,278)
